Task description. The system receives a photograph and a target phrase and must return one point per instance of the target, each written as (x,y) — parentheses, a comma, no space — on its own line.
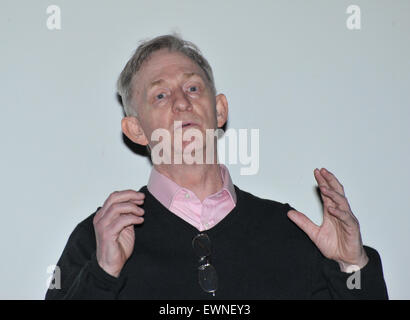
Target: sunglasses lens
(202,245)
(208,279)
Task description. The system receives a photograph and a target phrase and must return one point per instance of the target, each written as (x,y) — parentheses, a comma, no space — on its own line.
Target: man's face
(171,87)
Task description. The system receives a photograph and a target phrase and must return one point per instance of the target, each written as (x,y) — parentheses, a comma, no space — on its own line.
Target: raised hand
(114,229)
(338,238)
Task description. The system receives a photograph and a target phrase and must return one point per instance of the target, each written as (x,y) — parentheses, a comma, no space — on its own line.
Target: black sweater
(258,253)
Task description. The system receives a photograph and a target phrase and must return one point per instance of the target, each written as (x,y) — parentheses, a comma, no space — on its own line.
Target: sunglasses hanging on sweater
(207,277)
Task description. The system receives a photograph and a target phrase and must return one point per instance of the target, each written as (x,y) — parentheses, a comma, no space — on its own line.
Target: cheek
(206,106)
(211,111)
(156,121)
(145,123)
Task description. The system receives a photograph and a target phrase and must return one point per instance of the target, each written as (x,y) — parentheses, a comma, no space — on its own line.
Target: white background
(320,94)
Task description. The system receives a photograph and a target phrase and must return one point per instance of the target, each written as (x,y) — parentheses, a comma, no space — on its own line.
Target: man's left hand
(338,238)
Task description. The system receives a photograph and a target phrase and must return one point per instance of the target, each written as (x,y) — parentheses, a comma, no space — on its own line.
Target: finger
(337,198)
(332,181)
(118,209)
(117,197)
(342,215)
(321,181)
(304,223)
(327,201)
(122,222)
(137,202)
(124,196)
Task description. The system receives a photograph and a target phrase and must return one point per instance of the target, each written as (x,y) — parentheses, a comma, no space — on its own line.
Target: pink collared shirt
(186,205)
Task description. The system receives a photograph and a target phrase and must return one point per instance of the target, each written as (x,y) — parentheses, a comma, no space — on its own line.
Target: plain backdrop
(320,94)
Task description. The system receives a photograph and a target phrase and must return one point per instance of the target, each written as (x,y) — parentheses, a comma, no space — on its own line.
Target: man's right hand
(114,229)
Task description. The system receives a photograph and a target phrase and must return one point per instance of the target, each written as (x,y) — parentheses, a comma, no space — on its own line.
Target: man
(192,234)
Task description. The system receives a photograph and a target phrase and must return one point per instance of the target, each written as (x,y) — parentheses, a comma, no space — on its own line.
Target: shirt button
(207,225)
(187,195)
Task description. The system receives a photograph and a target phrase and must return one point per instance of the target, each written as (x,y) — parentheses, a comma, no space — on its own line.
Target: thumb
(304,223)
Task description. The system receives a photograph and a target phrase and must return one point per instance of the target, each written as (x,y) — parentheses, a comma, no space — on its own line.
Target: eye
(160,96)
(193,87)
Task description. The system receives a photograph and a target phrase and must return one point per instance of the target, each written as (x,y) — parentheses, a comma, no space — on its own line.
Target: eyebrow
(184,76)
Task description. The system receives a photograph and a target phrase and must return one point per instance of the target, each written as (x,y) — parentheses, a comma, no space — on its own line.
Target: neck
(201,179)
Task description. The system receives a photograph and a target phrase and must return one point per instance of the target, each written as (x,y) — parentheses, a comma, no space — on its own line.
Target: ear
(133,130)
(221,109)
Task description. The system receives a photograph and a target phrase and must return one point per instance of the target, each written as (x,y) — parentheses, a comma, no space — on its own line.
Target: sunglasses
(207,277)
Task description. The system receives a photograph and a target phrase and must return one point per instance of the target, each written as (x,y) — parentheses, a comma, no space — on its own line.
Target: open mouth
(178,124)
(188,124)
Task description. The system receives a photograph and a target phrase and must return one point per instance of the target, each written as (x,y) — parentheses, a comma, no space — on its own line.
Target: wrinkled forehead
(163,64)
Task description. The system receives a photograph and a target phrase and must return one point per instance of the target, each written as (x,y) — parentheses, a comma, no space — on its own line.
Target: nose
(181,102)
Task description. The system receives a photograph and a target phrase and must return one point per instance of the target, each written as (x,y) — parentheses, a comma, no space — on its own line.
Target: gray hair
(174,43)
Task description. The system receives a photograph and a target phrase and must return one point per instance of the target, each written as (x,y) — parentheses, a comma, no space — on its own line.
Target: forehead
(163,64)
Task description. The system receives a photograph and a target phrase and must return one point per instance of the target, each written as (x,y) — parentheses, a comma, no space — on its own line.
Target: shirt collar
(164,189)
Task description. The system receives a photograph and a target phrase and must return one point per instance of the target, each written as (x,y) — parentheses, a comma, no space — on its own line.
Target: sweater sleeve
(329,282)
(81,275)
